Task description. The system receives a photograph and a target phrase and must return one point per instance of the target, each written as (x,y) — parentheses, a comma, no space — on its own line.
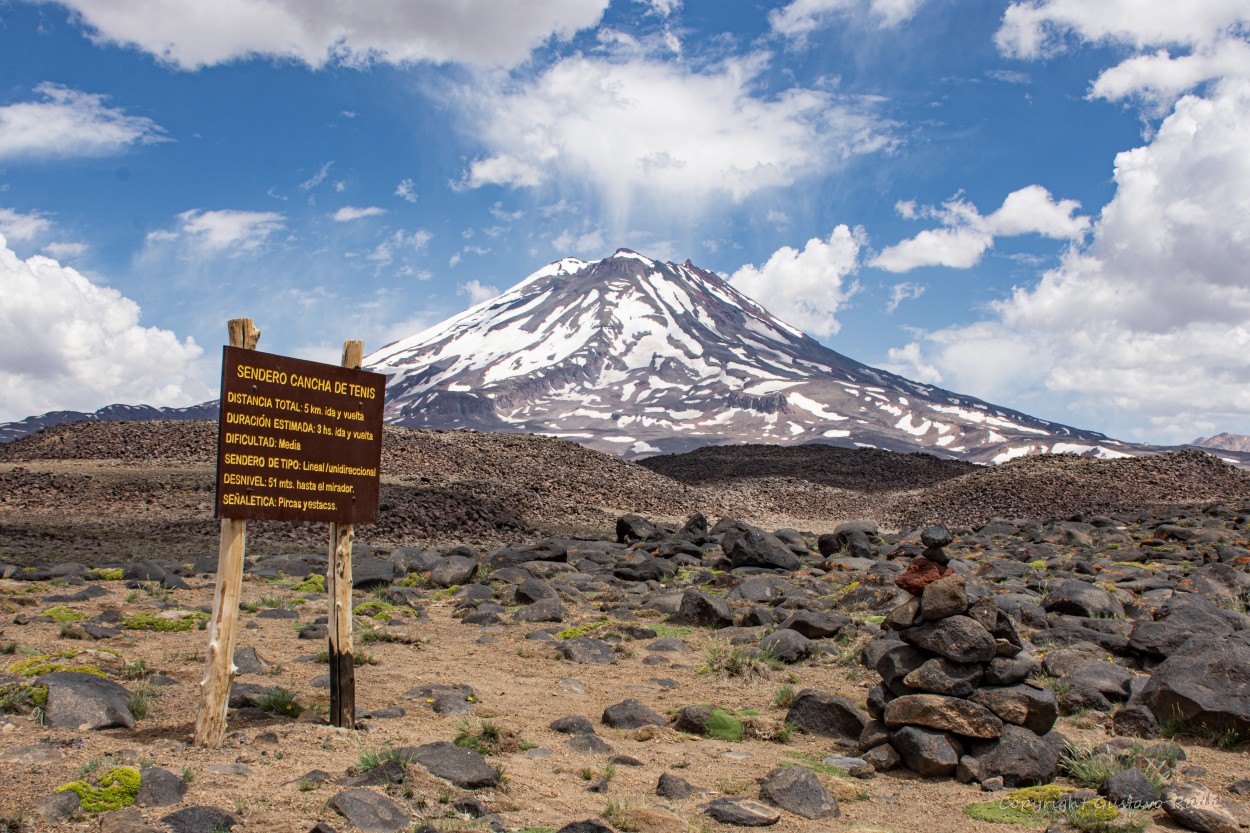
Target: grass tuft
(739,662)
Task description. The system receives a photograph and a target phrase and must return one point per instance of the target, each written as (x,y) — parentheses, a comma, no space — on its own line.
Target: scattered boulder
(370,811)
(798,791)
(1081,598)
(463,767)
(1209,689)
(827,715)
(77,700)
(742,812)
(631,714)
(1193,806)
(703,610)
(201,819)
(159,788)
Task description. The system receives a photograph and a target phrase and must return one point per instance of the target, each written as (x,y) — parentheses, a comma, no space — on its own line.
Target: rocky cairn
(954,698)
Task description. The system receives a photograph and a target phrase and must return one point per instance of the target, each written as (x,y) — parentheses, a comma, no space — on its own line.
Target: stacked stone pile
(954,697)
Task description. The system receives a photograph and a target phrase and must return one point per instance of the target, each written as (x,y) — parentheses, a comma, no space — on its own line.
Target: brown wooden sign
(298,440)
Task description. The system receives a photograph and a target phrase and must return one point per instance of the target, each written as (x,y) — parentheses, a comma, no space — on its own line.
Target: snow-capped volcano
(634,356)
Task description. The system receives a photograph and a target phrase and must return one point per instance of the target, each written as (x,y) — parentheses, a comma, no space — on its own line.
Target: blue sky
(1041,203)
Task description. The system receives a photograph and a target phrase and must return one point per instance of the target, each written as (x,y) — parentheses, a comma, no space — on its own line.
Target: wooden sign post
(339,589)
(297,441)
(219,669)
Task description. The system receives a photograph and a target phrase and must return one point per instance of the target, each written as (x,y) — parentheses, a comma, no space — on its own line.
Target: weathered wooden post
(339,590)
(219,669)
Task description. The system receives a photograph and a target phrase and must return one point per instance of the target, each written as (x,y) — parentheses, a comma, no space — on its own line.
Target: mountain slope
(11,431)
(1225,442)
(635,357)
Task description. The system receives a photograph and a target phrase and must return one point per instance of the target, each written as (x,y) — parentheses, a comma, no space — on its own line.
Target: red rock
(921,573)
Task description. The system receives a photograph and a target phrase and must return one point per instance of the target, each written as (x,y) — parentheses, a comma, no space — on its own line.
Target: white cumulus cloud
(966,234)
(593,121)
(807,288)
(1175,46)
(350,212)
(68,123)
(71,344)
(1146,329)
(191,34)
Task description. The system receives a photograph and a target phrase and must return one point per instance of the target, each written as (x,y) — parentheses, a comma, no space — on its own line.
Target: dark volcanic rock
(84,701)
(948,714)
(816,625)
(672,786)
(1180,618)
(944,597)
(927,752)
(958,638)
(200,819)
(1018,756)
(370,811)
(587,650)
(631,714)
(1195,807)
(463,767)
(1131,788)
(828,715)
(159,788)
(753,547)
(798,791)
(1033,708)
(703,610)
(742,812)
(1210,689)
(787,645)
(1082,599)
(941,676)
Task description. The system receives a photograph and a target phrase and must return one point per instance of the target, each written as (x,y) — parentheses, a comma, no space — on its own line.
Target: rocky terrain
(552,639)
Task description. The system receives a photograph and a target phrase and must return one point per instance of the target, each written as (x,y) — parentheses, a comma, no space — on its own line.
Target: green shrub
(729,661)
(280,701)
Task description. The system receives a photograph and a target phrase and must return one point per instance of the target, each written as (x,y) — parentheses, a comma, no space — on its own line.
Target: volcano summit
(634,357)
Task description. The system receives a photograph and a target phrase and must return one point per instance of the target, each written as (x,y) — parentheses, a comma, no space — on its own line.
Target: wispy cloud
(17,226)
(350,212)
(68,123)
(317,178)
(406,190)
(223,231)
(589,120)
